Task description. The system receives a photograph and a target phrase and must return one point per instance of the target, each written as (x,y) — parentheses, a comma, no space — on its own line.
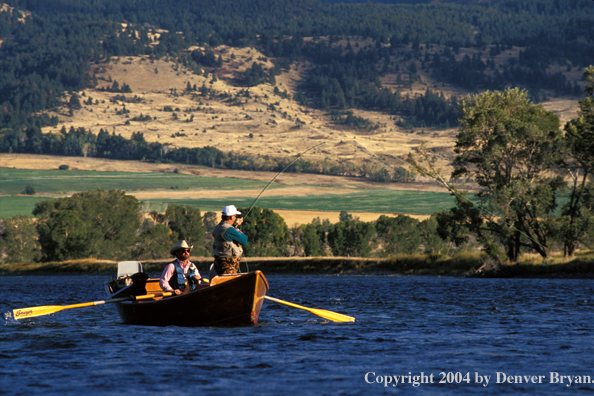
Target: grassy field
(409,202)
(17,205)
(168,188)
(14,181)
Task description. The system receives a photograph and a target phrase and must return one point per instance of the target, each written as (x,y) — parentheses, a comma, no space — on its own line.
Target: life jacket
(179,280)
(221,246)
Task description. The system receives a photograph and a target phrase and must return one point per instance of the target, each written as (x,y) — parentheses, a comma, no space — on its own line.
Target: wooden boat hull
(237,301)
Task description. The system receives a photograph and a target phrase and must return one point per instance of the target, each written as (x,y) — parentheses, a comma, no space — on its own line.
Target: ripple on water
(404,324)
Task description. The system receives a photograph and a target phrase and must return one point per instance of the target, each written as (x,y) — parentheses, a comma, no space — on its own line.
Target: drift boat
(227,300)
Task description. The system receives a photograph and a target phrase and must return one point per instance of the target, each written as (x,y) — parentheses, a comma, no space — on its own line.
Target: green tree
(430,239)
(312,238)
(351,238)
(74,102)
(510,148)
(344,216)
(577,215)
(398,234)
(267,233)
(18,240)
(154,243)
(186,223)
(29,190)
(96,223)
(210,221)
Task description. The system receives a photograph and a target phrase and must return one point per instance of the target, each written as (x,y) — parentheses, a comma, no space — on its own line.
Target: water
(469,328)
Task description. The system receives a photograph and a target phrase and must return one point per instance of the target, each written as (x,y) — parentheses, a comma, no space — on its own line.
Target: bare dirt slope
(263,122)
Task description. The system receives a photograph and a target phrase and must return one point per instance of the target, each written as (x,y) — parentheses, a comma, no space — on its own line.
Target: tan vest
(221,246)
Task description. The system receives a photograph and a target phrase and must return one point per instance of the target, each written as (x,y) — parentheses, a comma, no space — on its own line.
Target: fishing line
(272,181)
(439,178)
(278,174)
(436,175)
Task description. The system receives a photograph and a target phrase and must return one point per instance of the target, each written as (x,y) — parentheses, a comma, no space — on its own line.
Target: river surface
(435,335)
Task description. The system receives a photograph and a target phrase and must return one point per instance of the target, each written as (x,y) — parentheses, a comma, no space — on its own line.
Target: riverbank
(468,265)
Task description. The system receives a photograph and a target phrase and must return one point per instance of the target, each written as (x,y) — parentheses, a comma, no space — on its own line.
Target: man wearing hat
(180,275)
(228,242)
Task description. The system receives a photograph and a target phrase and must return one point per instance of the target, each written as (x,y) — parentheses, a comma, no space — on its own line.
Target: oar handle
(22,313)
(151,296)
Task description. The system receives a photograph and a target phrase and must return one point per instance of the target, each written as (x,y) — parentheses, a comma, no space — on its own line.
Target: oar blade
(22,313)
(334,316)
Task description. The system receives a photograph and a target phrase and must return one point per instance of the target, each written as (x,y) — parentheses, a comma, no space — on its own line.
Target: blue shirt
(232,235)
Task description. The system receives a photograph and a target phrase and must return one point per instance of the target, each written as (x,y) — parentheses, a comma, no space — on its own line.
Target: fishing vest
(222,247)
(179,280)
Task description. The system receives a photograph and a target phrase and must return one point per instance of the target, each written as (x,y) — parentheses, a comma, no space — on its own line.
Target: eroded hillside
(169,103)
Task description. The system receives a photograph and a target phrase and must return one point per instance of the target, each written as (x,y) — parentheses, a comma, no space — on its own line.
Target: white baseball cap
(230,210)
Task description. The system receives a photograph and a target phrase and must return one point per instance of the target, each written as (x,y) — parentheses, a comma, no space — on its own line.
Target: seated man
(180,275)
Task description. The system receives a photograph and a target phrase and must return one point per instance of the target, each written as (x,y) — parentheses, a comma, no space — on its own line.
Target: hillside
(264,124)
(262,120)
(362,83)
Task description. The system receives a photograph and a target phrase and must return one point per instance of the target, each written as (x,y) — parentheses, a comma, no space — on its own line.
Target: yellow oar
(336,317)
(22,313)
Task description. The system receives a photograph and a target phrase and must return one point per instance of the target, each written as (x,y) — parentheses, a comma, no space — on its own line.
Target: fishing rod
(278,174)
(272,181)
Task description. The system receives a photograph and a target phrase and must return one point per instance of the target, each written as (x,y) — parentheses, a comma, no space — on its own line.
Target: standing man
(228,242)
(180,275)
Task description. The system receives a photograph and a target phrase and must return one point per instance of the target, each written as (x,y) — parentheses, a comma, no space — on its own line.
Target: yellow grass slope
(264,124)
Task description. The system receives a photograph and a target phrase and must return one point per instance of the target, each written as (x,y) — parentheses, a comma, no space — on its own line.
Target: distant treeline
(79,142)
(48,47)
(109,225)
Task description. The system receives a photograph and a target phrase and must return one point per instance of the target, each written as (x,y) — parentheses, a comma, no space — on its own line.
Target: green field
(12,206)
(410,202)
(379,201)
(50,182)
(14,181)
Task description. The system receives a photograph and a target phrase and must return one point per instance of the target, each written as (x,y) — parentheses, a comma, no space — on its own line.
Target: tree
(210,220)
(577,217)
(154,243)
(431,240)
(312,238)
(96,223)
(398,234)
(351,238)
(344,216)
(186,223)
(267,233)
(29,190)
(510,148)
(74,102)
(18,240)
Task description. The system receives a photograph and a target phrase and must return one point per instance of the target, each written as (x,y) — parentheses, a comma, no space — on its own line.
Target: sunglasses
(184,250)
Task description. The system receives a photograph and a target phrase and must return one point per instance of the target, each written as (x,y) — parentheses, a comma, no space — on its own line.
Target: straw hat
(180,245)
